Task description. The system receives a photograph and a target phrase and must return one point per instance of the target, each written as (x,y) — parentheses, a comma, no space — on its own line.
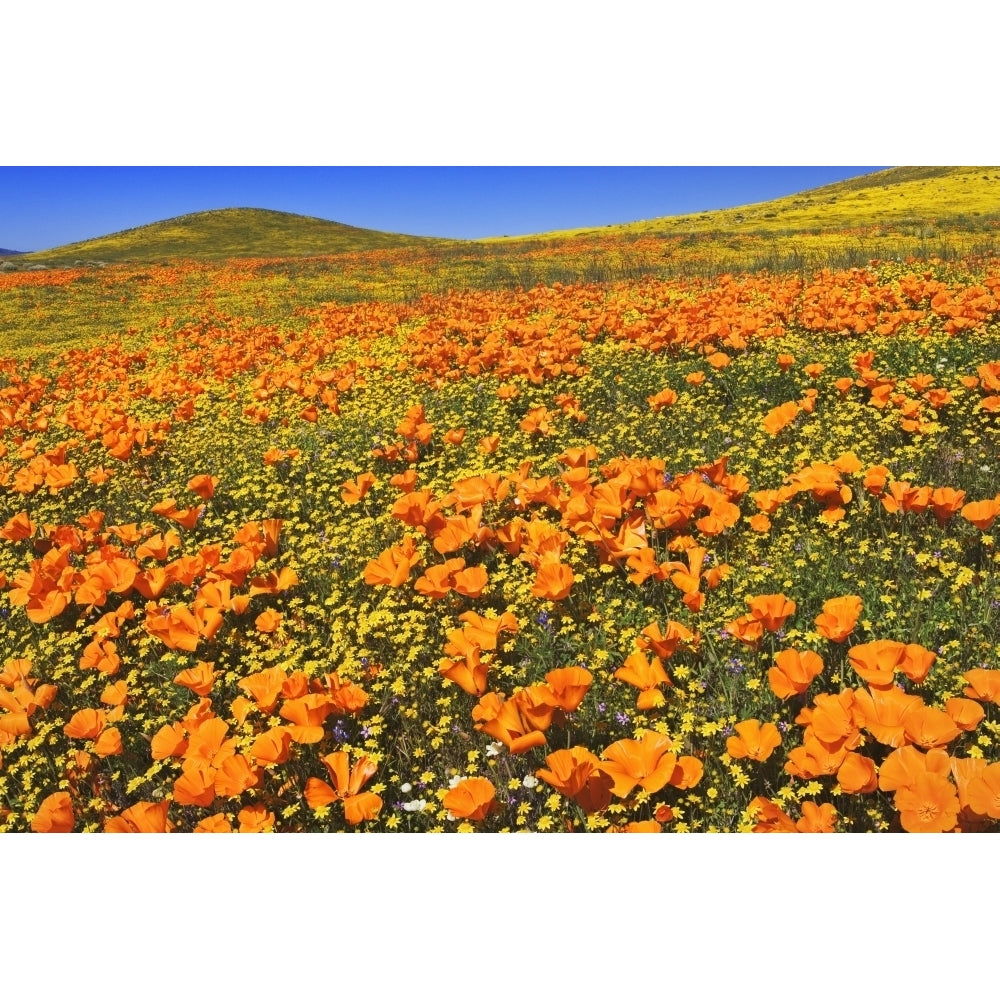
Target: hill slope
(920,194)
(958,198)
(227,233)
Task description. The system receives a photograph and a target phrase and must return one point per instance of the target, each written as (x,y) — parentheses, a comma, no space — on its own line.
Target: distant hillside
(900,194)
(227,233)
(10,253)
(914,199)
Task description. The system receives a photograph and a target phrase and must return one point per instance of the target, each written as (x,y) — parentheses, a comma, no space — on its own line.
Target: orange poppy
(876,662)
(984,684)
(780,417)
(857,774)
(884,712)
(928,805)
(771,610)
(984,792)
(235,775)
(471,798)
(649,763)
(273,746)
(274,582)
(816,818)
(747,629)
(348,781)
(793,672)
(355,490)
(204,485)
(86,724)
(966,713)
(214,824)
(264,687)
(576,773)
(471,581)
(19,527)
(143,817)
(981,513)
(200,678)
(770,818)
(945,501)
(753,740)
(362,807)
(662,399)
(902,767)
(553,581)
(840,615)
(664,644)
(504,720)
(638,826)
(392,567)
(437,580)
(567,687)
(256,819)
(930,727)
(268,621)
(647,675)
(168,741)
(109,743)
(405,481)
(55,814)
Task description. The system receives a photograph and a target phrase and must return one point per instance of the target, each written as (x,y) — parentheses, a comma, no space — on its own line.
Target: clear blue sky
(45,207)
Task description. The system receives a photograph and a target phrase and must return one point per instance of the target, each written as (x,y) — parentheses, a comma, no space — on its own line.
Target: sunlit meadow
(428,540)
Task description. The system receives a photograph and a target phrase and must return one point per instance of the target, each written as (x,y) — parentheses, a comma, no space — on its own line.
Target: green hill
(226,233)
(965,195)
(959,198)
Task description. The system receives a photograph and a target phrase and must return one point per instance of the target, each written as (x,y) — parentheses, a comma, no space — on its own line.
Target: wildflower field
(299,546)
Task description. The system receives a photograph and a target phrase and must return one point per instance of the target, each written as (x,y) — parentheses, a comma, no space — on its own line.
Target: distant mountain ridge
(11,253)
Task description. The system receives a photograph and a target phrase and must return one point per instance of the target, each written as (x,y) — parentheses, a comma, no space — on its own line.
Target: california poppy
(771,610)
(647,762)
(928,805)
(793,672)
(876,662)
(204,485)
(577,774)
(143,817)
(840,615)
(567,686)
(647,675)
(355,490)
(816,818)
(54,815)
(984,684)
(769,817)
(857,774)
(256,819)
(471,798)
(553,581)
(753,740)
(984,792)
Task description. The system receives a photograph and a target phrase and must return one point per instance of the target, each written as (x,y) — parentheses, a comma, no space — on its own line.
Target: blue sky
(44,207)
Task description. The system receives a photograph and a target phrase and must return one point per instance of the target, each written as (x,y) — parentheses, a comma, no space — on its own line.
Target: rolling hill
(226,233)
(897,195)
(965,198)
